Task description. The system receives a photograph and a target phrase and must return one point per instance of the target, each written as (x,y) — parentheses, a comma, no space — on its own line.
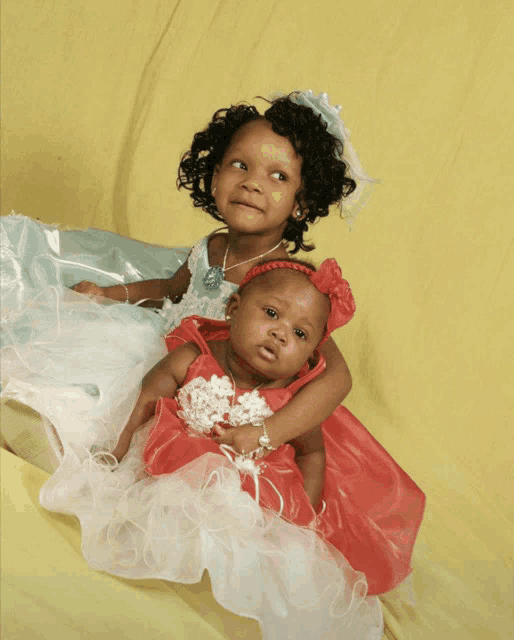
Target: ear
(299,206)
(214,180)
(232,305)
(298,209)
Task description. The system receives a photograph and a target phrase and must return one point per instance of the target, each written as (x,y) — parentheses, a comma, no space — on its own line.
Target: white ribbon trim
(246,464)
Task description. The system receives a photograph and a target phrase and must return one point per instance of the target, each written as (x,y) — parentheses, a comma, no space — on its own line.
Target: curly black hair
(325,179)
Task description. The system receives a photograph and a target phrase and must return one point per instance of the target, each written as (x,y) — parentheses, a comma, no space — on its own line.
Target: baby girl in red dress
(219,376)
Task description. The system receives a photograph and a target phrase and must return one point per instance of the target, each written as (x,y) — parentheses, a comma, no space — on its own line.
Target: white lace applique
(205,403)
(194,302)
(251,408)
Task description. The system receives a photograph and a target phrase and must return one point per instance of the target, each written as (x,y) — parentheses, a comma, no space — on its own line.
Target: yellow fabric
(100,99)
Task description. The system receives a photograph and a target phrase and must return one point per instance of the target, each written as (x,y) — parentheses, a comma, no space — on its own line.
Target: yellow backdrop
(100,98)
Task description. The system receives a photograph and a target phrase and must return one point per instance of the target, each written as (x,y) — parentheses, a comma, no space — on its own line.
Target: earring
(298,213)
(227,317)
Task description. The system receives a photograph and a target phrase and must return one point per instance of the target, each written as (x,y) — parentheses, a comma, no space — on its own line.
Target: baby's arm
(161,381)
(154,290)
(310,458)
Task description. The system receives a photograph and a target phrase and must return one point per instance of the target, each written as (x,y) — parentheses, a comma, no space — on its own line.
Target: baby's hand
(242,439)
(89,289)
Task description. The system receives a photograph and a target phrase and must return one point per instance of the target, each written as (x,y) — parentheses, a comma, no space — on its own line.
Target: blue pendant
(213,278)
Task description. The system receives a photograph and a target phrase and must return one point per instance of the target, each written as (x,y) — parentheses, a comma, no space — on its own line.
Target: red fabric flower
(329,280)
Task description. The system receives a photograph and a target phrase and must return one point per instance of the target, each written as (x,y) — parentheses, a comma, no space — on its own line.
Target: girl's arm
(314,402)
(161,381)
(309,407)
(155,290)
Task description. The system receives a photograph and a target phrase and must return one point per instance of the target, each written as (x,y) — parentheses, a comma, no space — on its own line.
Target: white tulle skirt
(175,527)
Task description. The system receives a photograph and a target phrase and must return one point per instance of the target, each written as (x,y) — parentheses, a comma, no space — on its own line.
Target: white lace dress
(198,300)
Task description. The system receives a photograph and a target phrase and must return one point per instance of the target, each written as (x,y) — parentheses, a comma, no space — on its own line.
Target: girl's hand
(89,289)
(123,446)
(242,439)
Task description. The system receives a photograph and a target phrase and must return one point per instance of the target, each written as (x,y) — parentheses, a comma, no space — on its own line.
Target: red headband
(327,279)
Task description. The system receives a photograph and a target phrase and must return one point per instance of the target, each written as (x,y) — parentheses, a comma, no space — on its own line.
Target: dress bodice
(198,300)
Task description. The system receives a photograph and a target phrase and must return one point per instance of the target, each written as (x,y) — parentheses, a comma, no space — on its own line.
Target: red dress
(373,508)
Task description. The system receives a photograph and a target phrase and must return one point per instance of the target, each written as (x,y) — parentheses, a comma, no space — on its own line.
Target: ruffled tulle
(177,526)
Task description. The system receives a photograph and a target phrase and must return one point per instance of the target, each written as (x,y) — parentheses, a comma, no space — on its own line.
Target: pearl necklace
(215,275)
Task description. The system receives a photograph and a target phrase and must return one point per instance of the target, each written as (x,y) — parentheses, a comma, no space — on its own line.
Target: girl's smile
(257,181)
(246,206)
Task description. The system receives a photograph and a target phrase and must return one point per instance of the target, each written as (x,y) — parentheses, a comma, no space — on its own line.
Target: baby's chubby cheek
(276,195)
